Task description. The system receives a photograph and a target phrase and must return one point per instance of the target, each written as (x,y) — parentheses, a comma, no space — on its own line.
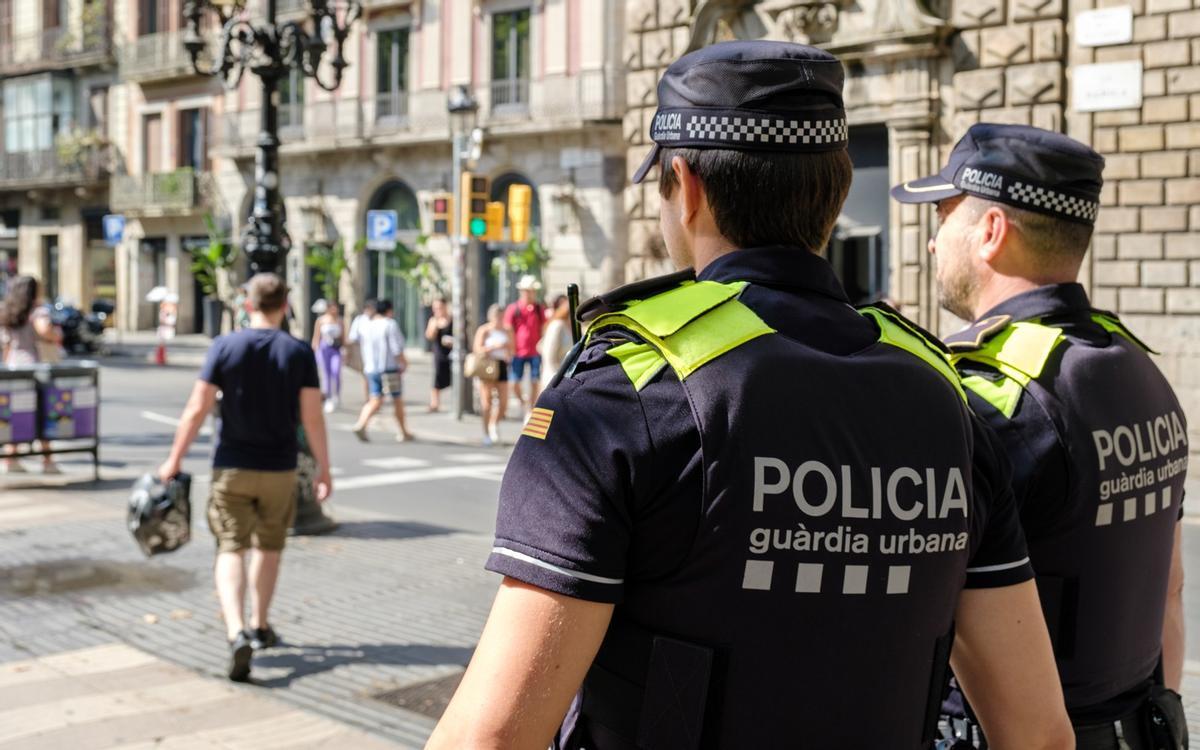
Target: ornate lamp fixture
(271,51)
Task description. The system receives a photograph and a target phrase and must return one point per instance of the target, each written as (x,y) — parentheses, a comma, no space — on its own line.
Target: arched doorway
(500,286)
(378,282)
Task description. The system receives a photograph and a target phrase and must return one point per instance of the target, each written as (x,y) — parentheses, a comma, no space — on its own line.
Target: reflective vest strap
(892,331)
(641,362)
(1112,324)
(666,313)
(1004,394)
(689,335)
(1020,351)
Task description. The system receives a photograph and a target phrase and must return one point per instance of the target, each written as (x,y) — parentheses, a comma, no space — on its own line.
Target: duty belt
(1122,734)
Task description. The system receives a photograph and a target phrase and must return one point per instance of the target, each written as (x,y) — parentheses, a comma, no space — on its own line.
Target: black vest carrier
(1102,569)
(831,551)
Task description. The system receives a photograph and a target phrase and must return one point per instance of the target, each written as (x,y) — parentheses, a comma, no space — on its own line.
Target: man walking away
(269,386)
(526,317)
(383,364)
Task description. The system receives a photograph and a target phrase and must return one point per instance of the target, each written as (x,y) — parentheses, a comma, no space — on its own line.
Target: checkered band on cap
(766,130)
(1050,200)
(822,130)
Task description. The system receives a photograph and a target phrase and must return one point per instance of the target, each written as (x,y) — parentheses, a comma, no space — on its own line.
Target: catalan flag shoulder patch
(539,423)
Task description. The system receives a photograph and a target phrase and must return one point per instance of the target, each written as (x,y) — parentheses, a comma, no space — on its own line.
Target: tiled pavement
(376,606)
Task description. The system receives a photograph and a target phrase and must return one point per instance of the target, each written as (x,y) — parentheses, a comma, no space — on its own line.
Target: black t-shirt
(260,372)
(611,495)
(801,509)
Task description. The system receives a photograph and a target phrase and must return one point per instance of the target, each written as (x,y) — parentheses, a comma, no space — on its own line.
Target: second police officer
(1095,434)
(746,514)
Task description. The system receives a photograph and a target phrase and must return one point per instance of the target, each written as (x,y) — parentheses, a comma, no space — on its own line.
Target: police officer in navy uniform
(745,514)
(1094,432)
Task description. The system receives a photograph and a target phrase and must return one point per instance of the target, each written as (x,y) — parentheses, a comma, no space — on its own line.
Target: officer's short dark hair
(267,292)
(760,198)
(1054,240)
(383,306)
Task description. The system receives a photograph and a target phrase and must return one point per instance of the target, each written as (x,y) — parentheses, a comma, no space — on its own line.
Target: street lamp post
(462,107)
(271,51)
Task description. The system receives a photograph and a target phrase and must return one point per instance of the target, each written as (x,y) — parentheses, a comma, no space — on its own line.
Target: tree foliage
(329,264)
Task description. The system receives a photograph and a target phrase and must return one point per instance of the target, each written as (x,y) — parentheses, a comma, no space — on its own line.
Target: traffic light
(443,213)
(474,208)
(520,211)
(495,222)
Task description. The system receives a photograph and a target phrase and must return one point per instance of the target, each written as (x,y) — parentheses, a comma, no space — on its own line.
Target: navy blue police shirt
(260,372)
(1098,445)
(616,495)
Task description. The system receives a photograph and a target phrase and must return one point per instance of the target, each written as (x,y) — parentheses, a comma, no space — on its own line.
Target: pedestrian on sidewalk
(269,387)
(525,318)
(556,340)
(354,355)
(440,333)
(384,364)
(329,334)
(25,329)
(494,340)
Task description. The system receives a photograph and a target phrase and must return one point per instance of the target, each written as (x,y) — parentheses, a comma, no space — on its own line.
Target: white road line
(471,458)
(420,475)
(1191,667)
(395,462)
(1190,519)
(171,421)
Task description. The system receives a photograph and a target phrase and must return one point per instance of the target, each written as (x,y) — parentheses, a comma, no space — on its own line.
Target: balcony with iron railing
(85,42)
(160,57)
(554,101)
(179,193)
(53,167)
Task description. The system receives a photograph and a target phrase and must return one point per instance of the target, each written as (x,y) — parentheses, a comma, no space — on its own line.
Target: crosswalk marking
(481,471)
(395,462)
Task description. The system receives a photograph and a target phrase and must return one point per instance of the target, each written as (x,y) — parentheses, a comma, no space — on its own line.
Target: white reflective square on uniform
(898,576)
(808,578)
(1130,508)
(758,575)
(1104,514)
(855,581)
(1150,503)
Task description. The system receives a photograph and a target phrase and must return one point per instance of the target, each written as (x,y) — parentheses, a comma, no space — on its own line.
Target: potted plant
(329,264)
(210,263)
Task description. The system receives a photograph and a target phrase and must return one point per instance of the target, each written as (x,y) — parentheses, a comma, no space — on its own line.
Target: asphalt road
(445,478)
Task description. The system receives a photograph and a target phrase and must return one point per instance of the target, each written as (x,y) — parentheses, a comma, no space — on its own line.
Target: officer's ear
(994,228)
(691,189)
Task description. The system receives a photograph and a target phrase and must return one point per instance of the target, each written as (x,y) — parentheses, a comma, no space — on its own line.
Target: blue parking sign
(114,229)
(381,229)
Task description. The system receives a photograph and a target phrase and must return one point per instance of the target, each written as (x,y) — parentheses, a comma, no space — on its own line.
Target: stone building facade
(919,73)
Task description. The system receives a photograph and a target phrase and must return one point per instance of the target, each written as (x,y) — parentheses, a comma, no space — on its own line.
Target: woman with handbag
(27,335)
(491,353)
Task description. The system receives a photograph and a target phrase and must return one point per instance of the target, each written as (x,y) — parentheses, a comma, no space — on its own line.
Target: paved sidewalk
(377,607)
(115,696)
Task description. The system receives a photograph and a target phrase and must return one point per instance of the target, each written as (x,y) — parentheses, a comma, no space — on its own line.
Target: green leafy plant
(529,258)
(213,263)
(76,147)
(329,263)
(418,268)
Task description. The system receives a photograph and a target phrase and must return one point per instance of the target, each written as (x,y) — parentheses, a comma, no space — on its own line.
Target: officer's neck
(707,248)
(1001,288)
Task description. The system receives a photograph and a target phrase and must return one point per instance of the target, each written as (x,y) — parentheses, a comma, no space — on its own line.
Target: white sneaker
(494,434)
(487,441)
(329,406)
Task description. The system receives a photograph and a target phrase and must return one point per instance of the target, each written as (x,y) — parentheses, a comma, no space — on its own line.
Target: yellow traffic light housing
(474,208)
(520,211)
(495,222)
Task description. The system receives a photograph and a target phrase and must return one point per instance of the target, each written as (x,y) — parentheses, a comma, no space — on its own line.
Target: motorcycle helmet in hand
(160,515)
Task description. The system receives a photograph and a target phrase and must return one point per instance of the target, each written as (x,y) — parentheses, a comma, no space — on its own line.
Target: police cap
(1021,166)
(750,96)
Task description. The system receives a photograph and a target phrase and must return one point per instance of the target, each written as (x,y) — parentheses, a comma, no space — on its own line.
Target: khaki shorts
(249,508)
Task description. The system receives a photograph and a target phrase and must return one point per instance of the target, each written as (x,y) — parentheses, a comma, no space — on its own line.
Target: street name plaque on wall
(1105,86)
(1099,28)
